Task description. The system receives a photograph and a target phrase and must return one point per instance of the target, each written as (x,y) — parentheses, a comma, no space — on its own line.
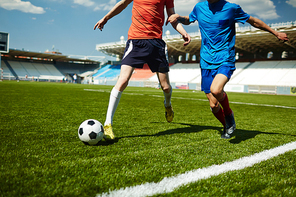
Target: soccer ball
(90,132)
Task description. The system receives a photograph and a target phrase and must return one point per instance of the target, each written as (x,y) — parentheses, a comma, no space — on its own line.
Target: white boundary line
(170,184)
(238,103)
(167,185)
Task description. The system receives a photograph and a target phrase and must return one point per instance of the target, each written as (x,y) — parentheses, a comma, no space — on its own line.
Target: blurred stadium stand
(264,65)
(36,66)
(109,72)
(142,74)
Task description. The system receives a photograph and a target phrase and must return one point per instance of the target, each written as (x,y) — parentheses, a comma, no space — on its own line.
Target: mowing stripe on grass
(170,184)
(195,99)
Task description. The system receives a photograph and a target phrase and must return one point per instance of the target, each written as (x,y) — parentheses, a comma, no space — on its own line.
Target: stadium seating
(76,68)
(114,72)
(142,74)
(42,69)
(185,66)
(32,70)
(6,70)
(18,68)
(259,76)
(288,70)
(103,70)
(182,73)
(268,73)
(108,72)
(283,74)
(246,73)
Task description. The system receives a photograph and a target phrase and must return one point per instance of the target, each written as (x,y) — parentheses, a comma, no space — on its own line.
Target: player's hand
(282,36)
(100,24)
(187,39)
(172,19)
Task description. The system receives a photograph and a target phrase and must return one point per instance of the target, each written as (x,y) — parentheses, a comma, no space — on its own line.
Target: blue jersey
(217,27)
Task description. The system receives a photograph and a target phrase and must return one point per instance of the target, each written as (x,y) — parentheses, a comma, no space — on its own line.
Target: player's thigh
(125,74)
(218,84)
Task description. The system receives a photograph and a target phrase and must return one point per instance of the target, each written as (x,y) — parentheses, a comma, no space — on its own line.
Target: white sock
(167,98)
(113,103)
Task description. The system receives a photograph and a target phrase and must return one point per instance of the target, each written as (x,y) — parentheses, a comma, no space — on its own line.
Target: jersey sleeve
(193,15)
(240,15)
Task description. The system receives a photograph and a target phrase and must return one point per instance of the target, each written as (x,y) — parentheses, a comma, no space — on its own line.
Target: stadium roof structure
(248,40)
(47,56)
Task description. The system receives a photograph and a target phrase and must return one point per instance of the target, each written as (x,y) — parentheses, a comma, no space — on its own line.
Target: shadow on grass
(238,136)
(243,135)
(108,142)
(190,129)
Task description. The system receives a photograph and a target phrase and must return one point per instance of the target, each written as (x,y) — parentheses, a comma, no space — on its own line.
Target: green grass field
(41,154)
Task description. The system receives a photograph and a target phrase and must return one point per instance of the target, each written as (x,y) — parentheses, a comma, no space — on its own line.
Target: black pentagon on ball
(91,122)
(80,131)
(92,135)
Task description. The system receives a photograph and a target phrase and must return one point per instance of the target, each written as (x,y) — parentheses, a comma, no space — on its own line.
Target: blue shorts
(150,51)
(208,75)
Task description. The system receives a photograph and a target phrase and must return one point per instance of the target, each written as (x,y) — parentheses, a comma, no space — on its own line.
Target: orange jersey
(148,18)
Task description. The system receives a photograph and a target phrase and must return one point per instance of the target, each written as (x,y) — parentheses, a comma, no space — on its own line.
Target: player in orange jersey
(144,45)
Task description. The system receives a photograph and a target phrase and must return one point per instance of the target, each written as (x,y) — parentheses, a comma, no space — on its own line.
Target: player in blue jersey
(216,19)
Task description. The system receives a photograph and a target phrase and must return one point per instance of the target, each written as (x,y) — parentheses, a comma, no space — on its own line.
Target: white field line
(169,184)
(195,99)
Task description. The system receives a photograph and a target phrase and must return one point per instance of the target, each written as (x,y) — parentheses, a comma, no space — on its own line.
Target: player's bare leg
(115,95)
(167,92)
(124,77)
(222,100)
(217,110)
(218,85)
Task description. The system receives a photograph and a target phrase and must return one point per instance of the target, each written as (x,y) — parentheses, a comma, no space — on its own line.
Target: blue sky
(67,25)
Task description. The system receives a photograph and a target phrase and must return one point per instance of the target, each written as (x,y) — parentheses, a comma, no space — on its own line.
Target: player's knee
(216,92)
(166,88)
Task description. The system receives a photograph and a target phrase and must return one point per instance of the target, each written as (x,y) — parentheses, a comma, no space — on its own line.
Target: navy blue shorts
(208,75)
(150,51)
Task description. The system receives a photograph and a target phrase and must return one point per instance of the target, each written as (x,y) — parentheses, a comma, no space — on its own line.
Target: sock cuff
(116,93)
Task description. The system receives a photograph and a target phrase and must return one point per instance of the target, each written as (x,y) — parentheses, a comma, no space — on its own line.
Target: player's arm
(177,18)
(255,22)
(178,26)
(121,5)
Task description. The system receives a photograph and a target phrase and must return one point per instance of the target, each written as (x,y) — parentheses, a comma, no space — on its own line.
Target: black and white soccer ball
(90,132)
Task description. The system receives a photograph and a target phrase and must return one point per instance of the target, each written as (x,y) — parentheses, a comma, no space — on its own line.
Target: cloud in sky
(86,3)
(263,9)
(24,6)
(106,6)
(292,2)
(184,7)
(102,5)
